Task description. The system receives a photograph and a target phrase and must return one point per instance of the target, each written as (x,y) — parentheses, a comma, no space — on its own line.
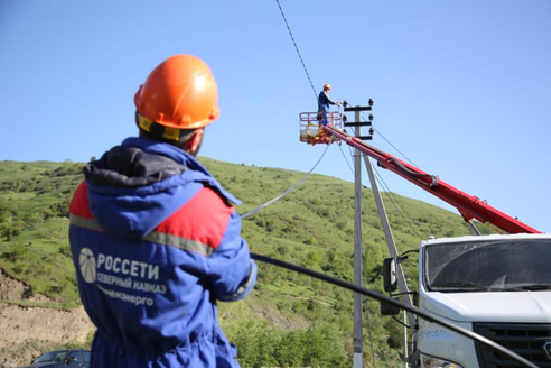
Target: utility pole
(358,254)
(389,239)
(358,248)
(394,253)
(391,245)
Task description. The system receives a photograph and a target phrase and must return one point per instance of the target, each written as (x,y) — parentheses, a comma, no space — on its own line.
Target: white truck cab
(498,286)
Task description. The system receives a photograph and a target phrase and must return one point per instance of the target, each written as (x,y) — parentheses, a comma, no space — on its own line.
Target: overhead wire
(345,159)
(396,203)
(315,95)
(344,155)
(359,289)
(296,47)
(389,142)
(278,197)
(393,200)
(351,286)
(392,145)
(370,334)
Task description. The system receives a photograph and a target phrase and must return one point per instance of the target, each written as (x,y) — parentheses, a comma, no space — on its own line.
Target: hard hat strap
(161,131)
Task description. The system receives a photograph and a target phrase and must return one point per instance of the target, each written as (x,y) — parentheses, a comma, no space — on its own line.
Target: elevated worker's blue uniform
(323,106)
(156,243)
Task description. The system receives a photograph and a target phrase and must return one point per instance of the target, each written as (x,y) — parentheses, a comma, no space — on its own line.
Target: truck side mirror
(389,309)
(416,299)
(389,275)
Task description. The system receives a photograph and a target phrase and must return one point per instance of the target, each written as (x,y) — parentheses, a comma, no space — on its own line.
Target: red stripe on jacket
(79,204)
(204,218)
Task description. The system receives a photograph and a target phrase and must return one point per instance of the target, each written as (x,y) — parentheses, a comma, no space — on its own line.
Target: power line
(396,203)
(392,145)
(370,334)
(296,47)
(393,200)
(344,155)
(389,142)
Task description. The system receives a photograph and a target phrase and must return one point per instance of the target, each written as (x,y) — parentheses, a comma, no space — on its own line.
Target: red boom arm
(470,207)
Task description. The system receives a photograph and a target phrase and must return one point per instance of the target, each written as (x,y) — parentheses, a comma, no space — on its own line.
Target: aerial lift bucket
(311,131)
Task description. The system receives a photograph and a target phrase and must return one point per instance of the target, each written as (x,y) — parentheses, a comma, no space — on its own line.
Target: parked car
(63,359)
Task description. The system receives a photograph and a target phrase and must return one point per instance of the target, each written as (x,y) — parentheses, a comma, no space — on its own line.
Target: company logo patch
(547,348)
(87,264)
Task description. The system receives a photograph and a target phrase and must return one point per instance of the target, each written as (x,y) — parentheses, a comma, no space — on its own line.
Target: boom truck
(497,285)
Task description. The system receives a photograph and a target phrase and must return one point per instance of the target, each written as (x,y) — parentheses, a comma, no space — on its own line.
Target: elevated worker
(323,104)
(156,242)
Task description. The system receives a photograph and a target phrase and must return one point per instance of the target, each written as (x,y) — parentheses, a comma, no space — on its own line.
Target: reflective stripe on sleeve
(178,242)
(154,236)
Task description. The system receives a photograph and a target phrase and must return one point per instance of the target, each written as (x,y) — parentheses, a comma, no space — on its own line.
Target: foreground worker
(155,240)
(323,104)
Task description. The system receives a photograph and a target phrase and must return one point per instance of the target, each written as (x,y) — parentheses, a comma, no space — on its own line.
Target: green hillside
(289,320)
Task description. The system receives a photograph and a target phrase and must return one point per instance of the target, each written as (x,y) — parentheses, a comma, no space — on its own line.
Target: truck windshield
(488,266)
(52,356)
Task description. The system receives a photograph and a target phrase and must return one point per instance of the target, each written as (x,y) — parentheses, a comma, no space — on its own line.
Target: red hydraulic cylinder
(470,207)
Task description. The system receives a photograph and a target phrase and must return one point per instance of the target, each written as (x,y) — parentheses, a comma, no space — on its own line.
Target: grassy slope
(312,226)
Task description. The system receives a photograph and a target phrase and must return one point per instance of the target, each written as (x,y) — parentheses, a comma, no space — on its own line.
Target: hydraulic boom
(470,207)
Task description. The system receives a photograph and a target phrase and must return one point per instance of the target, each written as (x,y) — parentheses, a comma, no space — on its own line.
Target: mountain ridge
(312,226)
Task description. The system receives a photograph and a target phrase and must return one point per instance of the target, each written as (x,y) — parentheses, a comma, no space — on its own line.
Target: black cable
(370,335)
(397,206)
(393,200)
(296,47)
(426,315)
(345,159)
(389,142)
(406,170)
(396,203)
(400,322)
(393,146)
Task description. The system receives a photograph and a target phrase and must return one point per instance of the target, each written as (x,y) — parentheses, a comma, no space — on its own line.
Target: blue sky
(462,88)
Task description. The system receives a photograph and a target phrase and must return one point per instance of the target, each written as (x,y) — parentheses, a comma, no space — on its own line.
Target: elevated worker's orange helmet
(180,93)
(326,87)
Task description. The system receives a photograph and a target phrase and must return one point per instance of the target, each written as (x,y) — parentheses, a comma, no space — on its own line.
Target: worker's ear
(195,141)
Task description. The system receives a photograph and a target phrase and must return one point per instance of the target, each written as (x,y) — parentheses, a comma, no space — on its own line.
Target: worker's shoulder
(210,198)
(206,207)
(79,202)
(204,218)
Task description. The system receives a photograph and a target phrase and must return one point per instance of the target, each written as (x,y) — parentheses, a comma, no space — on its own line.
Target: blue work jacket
(324,101)
(156,243)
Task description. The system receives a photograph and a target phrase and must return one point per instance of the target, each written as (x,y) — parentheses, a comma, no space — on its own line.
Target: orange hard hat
(326,86)
(180,93)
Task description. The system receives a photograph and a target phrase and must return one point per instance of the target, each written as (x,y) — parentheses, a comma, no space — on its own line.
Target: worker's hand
(339,103)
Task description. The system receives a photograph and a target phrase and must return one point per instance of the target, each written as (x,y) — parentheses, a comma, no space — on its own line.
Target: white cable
(288,190)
